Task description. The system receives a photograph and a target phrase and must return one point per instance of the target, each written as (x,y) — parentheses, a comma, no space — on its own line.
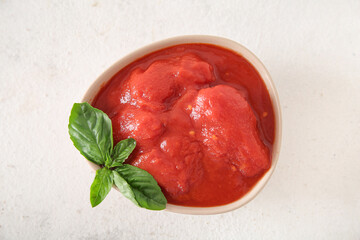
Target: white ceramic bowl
(225,43)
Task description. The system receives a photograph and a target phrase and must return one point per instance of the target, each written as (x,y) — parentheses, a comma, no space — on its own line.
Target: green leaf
(108,161)
(91,132)
(115,164)
(123,149)
(145,188)
(124,187)
(101,186)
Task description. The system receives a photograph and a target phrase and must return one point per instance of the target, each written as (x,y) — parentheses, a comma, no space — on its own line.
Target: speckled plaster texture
(51,51)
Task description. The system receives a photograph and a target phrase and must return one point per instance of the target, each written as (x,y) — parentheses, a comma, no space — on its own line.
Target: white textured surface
(51,52)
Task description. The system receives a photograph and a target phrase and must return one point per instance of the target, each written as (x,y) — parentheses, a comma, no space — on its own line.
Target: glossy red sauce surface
(202,118)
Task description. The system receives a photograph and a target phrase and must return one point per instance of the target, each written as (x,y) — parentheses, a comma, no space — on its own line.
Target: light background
(50,52)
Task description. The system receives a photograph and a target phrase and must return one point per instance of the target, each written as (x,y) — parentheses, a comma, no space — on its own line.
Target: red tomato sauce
(202,118)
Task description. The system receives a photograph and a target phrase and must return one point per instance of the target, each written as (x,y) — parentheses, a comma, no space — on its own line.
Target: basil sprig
(90,130)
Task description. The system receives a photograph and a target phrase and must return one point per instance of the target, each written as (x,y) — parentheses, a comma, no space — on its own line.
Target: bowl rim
(227,44)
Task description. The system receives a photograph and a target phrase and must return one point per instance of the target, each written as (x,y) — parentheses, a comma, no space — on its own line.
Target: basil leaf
(115,164)
(124,187)
(108,161)
(145,188)
(101,186)
(91,132)
(123,149)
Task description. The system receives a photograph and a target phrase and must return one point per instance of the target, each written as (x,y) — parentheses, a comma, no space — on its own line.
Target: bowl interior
(225,43)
